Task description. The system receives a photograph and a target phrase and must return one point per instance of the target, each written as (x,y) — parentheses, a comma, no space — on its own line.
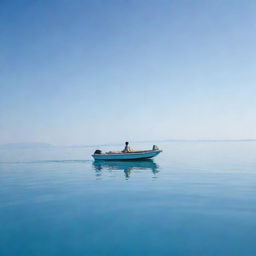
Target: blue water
(196,198)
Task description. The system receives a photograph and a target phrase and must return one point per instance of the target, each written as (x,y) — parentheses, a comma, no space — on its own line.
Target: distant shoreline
(47,145)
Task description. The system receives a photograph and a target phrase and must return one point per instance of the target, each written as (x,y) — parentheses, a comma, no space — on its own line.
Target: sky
(90,72)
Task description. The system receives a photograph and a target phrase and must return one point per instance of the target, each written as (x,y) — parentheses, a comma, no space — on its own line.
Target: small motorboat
(131,155)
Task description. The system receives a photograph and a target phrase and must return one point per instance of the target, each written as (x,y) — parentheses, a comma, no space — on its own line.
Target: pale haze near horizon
(88,72)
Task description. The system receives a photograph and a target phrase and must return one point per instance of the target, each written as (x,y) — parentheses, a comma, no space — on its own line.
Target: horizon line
(115,143)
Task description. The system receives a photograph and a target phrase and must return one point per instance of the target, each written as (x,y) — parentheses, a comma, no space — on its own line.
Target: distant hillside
(26,145)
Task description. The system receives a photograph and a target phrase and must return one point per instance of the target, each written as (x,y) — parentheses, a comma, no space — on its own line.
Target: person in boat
(127,148)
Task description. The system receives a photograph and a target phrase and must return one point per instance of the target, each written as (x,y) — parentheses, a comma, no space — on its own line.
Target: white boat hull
(127,156)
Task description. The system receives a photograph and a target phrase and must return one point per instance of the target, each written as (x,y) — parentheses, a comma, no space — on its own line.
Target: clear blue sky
(88,72)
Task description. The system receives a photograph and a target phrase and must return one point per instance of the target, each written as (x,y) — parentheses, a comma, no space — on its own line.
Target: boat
(131,155)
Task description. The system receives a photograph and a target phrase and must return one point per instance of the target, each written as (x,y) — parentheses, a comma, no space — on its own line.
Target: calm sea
(196,198)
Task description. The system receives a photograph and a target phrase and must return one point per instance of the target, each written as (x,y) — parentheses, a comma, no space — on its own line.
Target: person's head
(126,143)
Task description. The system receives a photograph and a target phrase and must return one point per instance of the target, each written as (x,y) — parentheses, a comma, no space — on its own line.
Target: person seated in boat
(127,148)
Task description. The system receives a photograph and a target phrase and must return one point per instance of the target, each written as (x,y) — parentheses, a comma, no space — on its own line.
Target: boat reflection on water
(126,166)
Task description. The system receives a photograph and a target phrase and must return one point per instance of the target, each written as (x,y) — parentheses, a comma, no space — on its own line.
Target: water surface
(196,198)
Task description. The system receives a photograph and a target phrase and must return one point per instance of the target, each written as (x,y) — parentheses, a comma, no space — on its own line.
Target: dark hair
(126,143)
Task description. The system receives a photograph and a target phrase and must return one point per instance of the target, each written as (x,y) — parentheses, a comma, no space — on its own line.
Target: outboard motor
(155,147)
(97,152)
